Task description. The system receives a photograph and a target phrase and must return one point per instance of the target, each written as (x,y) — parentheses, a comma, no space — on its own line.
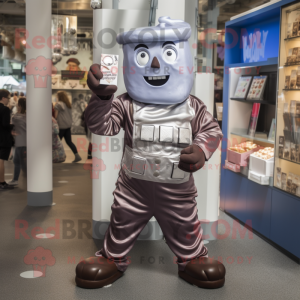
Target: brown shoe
(96,272)
(204,272)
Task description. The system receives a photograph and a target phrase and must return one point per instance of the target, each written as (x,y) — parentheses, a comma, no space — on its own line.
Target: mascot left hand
(192,159)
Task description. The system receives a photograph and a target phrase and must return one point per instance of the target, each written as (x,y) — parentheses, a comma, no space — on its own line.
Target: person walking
(58,151)
(6,138)
(63,114)
(19,122)
(88,135)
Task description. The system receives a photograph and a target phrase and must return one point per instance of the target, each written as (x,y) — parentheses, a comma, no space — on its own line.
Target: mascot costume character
(168,135)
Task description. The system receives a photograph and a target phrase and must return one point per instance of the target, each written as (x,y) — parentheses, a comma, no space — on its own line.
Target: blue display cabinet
(258,44)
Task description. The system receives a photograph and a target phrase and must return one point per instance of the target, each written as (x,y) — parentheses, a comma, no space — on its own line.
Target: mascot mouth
(157,80)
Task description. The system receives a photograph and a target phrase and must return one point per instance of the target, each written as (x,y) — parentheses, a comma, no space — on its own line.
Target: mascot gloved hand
(168,135)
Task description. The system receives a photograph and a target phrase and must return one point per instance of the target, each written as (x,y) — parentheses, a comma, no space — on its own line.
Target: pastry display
(265,153)
(244,147)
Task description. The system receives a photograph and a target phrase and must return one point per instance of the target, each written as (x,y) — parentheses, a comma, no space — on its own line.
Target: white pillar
(207,180)
(107,24)
(39,123)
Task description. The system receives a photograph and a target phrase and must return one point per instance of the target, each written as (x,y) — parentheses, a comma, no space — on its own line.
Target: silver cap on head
(166,30)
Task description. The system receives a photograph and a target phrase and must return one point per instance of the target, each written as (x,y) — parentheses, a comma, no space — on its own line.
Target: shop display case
(258,46)
(287,146)
(251,118)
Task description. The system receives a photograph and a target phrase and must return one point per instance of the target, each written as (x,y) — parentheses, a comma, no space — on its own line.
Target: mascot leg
(176,212)
(131,210)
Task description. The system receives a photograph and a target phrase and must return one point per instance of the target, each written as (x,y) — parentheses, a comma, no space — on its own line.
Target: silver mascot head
(158,65)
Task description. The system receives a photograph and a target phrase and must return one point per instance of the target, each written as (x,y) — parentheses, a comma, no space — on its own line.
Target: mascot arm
(104,114)
(207,135)
(105,117)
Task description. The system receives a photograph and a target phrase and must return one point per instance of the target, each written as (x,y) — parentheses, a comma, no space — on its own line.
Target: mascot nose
(155,63)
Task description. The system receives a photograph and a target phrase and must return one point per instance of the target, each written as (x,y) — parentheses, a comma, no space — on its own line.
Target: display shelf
(243,133)
(274,212)
(253,101)
(279,189)
(270,61)
(288,109)
(292,38)
(291,65)
(293,162)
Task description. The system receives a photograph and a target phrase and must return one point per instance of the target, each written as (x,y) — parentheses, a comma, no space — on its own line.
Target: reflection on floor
(255,270)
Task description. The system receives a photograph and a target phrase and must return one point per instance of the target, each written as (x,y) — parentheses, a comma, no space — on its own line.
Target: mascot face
(158,71)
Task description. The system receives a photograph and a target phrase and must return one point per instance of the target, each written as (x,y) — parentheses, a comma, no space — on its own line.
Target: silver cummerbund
(153,168)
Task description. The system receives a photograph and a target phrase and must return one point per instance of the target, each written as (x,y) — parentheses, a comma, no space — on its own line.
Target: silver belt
(144,166)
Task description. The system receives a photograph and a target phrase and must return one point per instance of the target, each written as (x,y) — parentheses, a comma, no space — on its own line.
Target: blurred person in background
(88,135)
(63,115)
(6,138)
(13,101)
(19,122)
(53,111)
(58,151)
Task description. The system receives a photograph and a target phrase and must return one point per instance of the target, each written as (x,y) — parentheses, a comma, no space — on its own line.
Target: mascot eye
(170,55)
(142,58)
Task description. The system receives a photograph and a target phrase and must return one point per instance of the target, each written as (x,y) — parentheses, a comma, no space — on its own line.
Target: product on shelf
(295,29)
(291,142)
(244,147)
(296,185)
(278,177)
(253,119)
(298,55)
(293,79)
(262,162)
(239,154)
(289,183)
(287,149)
(294,55)
(257,88)
(271,136)
(287,82)
(265,153)
(219,109)
(289,57)
(293,24)
(281,147)
(298,79)
(283,181)
(289,30)
(242,87)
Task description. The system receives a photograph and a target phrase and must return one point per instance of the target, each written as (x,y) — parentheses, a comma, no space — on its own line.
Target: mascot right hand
(93,82)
